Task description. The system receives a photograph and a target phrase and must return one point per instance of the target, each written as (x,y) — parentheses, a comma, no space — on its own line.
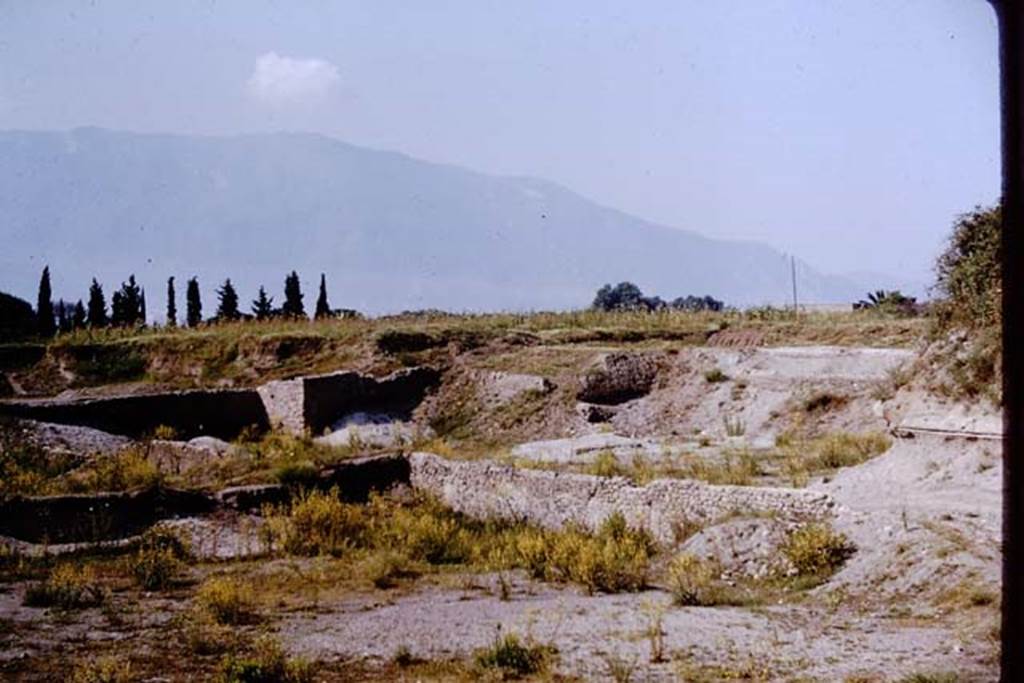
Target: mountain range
(391,232)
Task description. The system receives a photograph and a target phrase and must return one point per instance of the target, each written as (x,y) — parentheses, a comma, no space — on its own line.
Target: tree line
(626,296)
(128,307)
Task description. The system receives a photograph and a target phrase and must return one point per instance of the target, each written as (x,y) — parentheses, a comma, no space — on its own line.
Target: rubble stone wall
(555,499)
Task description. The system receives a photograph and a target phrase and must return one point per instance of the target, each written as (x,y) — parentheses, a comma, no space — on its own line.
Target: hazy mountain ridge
(391,232)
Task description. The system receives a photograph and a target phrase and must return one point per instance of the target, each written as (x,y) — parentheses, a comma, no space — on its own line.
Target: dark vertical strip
(1011,30)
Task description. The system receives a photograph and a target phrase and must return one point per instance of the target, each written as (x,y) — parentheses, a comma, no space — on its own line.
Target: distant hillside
(391,232)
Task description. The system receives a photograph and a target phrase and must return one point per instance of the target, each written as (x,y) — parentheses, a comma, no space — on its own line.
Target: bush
(970,271)
(160,559)
(315,523)
(845,450)
(227,600)
(204,635)
(298,475)
(715,375)
(817,550)
(103,670)
(127,469)
(267,664)
(67,587)
(606,465)
(386,568)
(513,658)
(615,559)
(690,580)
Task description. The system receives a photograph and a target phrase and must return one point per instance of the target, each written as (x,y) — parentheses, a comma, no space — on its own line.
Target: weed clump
(67,587)
(715,376)
(315,523)
(817,549)
(121,471)
(615,559)
(161,557)
(108,669)
(268,663)
(690,580)
(513,658)
(227,600)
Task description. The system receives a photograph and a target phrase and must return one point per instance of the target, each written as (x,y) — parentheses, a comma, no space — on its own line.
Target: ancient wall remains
(554,499)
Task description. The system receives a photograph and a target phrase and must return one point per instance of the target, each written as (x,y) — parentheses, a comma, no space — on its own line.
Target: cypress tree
(193,305)
(118,314)
(262,307)
(227,306)
(44,306)
(63,316)
(142,308)
(97,315)
(293,307)
(172,306)
(78,317)
(128,304)
(323,309)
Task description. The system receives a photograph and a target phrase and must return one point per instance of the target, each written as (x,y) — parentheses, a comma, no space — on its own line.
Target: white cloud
(283,80)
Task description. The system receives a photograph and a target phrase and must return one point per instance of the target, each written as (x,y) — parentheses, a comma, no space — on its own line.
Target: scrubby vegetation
(68,586)
(266,663)
(401,539)
(160,559)
(227,600)
(817,550)
(513,658)
(690,580)
(968,320)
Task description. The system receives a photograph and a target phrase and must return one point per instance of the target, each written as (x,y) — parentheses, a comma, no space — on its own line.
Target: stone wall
(295,405)
(221,413)
(317,402)
(554,499)
(97,516)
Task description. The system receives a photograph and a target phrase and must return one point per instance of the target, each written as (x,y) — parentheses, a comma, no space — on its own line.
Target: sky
(848,132)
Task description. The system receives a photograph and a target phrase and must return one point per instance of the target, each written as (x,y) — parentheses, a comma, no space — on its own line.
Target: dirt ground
(919,596)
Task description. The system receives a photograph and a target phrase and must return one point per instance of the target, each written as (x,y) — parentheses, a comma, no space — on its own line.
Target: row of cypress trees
(128,305)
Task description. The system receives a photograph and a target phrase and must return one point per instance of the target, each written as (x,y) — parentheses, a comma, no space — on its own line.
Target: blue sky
(849,132)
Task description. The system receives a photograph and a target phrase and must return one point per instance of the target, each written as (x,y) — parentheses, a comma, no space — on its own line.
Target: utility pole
(792,270)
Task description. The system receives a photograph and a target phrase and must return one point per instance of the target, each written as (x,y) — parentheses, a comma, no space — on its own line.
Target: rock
(502,387)
(180,456)
(618,377)
(743,547)
(374,430)
(584,449)
(594,413)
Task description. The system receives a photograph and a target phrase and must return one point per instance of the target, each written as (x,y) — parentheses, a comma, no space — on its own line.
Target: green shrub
(203,634)
(513,658)
(121,471)
(107,669)
(67,587)
(315,523)
(715,375)
(822,401)
(969,271)
(690,580)
(298,475)
(227,600)
(817,550)
(268,663)
(606,465)
(614,559)
(386,568)
(160,558)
